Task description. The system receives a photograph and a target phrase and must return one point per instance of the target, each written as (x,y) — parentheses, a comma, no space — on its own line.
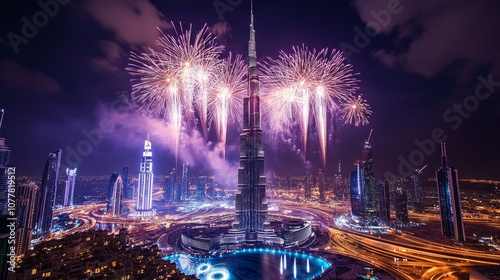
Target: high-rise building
(185,182)
(385,205)
(250,200)
(144,203)
(449,199)
(201,188)
(4,163)
(321,185)
(128,189)
(169,189)
(115,195)
(308,185)
(401,205)
(69,188)
(338,183)
(356,193)
(370,193)
(26,193)
(417,193)
(46,198)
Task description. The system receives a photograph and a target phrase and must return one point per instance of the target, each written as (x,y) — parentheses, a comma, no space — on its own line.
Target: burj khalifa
(250,200)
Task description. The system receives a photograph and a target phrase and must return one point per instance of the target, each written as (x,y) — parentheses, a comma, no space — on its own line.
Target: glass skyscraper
(144,203)
(69,189)
(4,162)
(115,195)
(356,193)
(47,196)
(449,199)
(26,193)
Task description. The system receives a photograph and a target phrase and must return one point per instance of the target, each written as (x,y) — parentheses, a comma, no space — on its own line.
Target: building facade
(26,193)
(47,196)
(144,202)
(69,187)
(250,200)
(115,195)
(450,210)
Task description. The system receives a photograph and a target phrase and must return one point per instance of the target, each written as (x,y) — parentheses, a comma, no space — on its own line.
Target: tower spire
(252,52)
(1,117)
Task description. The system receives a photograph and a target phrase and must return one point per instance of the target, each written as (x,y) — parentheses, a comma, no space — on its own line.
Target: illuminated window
(33,271)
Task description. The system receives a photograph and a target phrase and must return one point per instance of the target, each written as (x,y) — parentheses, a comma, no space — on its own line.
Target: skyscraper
(69,189)
(128,189)
(356,192)
(26,193)
(401,205)
(369,188)
(250,200)
(115,194)
(202,186)
(169,189)
(185,182)
(4,162)
(385,205)
(144,203)
(449,199)
(321,185)
(338,183)
(47,196)
(417,194)
(308,185)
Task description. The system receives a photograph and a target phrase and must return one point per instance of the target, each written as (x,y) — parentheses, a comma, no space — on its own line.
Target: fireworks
(356,111)
(174,83)
(226,100)
(188,84)
(307,84)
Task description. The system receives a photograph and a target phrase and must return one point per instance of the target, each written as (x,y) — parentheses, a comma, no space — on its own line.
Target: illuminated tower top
(147,148)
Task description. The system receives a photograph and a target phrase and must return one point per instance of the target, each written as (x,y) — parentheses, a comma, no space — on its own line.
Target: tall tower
(69,189)
(308,185)
(371,200)
(321,185)
(128,190)
(250,200)
(185,182)
(4,162)
(401,205)
(450,210)
(385,208)
(47,196)
(115,194)
(338,183)
(356,192)
(144,204)
(25,206)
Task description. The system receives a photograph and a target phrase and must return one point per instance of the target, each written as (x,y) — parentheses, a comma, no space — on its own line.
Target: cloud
(431,36)
(112,55)
(222,30)
(16,77)
(133,21)
(132,125)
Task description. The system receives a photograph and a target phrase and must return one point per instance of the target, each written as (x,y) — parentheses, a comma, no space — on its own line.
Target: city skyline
(385,96)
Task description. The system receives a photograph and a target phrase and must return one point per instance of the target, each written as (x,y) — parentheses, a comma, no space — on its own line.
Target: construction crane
(419,171)
(367,141)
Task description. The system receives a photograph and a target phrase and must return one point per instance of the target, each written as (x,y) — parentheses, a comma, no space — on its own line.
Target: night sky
(425,72)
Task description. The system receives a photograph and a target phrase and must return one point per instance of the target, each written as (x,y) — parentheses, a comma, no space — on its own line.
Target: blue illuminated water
(252,264)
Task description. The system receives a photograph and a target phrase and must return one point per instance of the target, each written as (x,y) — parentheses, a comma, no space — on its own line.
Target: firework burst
(226,101)
(304,85)
(173,83)
(356,111)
